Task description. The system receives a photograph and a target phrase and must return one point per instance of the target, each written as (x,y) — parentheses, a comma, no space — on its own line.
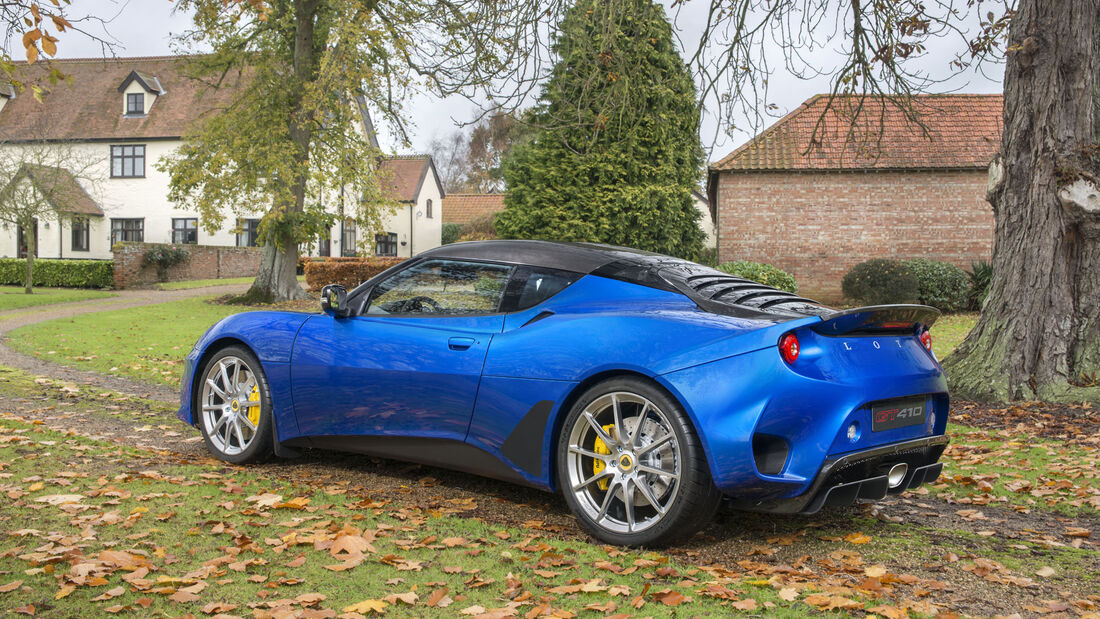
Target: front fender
(270,336)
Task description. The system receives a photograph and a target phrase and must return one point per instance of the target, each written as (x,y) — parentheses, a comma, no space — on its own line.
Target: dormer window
(135,104)
(139,92)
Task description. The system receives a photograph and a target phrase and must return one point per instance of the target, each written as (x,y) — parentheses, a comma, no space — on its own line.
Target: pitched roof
(60,188)
(90,108)
(964,131)
(460,208)
(404,175)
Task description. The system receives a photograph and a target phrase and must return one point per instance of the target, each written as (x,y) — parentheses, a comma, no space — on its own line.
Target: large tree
(1039,331)
(291,144)
(617,155)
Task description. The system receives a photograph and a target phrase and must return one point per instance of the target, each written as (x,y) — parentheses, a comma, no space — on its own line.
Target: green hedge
(59,273)
(761,273)
(881,282)
(942,285)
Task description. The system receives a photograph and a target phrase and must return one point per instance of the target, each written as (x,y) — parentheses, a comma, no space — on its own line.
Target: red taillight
(926,339)
(788,347)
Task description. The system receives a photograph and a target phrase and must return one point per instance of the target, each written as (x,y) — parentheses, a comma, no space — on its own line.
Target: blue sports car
(647,389)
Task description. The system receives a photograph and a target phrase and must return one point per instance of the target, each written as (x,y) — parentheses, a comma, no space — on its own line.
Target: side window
(533,285)
(446,287)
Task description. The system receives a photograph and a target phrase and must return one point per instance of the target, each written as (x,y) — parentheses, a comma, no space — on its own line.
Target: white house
(125,114)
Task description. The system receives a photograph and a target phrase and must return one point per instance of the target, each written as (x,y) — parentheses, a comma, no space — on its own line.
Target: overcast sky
(146,28)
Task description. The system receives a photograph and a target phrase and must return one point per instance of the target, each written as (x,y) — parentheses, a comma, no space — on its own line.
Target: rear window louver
(740,292)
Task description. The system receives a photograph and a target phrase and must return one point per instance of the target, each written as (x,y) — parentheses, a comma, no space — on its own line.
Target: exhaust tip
(897,474)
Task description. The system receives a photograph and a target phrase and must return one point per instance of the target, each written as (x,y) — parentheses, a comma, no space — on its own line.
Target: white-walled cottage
(122,115)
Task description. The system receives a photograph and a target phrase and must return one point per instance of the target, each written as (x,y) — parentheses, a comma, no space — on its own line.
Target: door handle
(460,343)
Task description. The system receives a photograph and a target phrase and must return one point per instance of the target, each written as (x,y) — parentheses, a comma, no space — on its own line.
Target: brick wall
(818,225)
(205,262)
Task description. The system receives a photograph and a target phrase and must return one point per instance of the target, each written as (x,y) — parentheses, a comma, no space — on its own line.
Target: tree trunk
(31,242)
(277,279)
(1038,336)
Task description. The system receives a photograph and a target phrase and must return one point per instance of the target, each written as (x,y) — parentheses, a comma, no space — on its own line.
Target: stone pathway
(13,319)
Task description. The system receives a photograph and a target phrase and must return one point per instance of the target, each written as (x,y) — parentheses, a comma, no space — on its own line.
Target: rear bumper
(860,476)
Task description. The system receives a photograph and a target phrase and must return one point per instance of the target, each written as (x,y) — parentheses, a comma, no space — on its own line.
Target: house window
(135,104)
(249,235)
(385,244)
(127,230)
(128,161)
(348,241)
(324,247)
(185,230)
(428,209)
(80,234)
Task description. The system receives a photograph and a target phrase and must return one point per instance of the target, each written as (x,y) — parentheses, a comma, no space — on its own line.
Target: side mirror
(334,300)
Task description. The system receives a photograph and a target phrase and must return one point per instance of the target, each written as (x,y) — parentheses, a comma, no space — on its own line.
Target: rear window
(533,285)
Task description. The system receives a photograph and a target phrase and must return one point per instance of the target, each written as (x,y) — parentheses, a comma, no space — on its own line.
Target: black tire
(697,499)
(261,446)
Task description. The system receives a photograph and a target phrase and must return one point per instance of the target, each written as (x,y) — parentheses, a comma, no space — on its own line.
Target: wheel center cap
(235,405)
(626,462)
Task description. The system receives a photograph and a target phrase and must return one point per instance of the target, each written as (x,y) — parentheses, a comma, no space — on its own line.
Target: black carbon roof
(711,289)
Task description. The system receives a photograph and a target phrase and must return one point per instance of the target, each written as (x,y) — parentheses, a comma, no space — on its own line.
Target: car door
(410,362)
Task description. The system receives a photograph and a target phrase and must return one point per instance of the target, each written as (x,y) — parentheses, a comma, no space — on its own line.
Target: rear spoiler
(878,319)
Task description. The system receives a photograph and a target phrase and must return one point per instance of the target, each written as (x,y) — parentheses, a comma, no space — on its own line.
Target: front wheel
(632,468)
(235,407)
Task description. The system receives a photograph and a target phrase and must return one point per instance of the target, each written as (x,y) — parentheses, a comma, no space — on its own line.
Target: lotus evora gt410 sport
(647,389)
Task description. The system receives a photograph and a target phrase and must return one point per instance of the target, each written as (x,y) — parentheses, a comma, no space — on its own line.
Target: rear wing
(878,320)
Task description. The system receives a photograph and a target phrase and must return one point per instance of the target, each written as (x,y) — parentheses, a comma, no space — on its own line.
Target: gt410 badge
(897,414)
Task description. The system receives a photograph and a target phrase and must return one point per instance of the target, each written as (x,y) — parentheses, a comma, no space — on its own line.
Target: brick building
(899,192)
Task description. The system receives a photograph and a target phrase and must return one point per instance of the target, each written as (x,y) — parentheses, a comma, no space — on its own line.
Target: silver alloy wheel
(231,404)
(634,485)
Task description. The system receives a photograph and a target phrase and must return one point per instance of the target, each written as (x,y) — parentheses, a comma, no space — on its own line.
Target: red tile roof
(403,175)
(461,208)
(60,188)
(964,131)
(90,107)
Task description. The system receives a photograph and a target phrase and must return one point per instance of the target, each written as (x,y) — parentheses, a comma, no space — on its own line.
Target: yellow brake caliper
(601,448)
(254,411)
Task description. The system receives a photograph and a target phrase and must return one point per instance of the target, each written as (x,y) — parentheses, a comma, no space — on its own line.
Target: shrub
(941,285)
(708,256)
(880,282)
(164,257)
(59,273)
(480,228)
(350,272)
(981,276)
(761,273)
(450,233)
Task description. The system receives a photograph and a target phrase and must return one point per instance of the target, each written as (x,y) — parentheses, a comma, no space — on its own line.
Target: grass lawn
(146,343)
(202,283)
(92,528)
(950,330)
(12,297)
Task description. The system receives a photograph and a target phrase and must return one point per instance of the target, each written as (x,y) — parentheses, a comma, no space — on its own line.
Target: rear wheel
(632,468)
(235,407)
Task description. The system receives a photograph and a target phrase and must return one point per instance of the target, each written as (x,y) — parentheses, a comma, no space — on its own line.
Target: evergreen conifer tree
(617,155)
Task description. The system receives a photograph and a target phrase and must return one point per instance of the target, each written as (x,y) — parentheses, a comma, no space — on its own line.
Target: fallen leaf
(857,538)
(11,586)
(367,607)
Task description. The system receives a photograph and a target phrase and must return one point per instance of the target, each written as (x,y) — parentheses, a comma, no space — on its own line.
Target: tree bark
(1038,336)
(29,232)
(277,278)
